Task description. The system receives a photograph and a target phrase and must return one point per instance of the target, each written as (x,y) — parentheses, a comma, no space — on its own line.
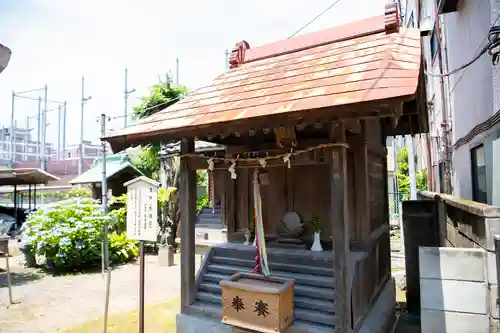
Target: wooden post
(187,193)
(339,210)
(362,186)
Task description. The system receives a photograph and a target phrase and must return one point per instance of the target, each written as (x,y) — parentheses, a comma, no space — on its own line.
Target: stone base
(198,324)
(165,256)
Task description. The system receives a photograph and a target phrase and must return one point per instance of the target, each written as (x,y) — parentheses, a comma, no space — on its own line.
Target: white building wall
(470,90)
(471,96)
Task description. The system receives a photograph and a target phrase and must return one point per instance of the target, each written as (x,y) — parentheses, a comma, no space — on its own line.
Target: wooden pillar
(339,210)
(187,203)
(362,180)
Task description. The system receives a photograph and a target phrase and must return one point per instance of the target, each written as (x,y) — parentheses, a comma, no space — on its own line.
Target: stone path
(52,304)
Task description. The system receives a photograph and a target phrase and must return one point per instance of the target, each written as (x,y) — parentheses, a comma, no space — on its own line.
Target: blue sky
(56,42)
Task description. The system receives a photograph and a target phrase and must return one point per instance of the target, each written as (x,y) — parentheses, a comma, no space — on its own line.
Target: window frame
(476,195)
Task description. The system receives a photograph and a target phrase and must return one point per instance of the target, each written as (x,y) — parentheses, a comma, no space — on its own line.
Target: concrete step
(282,256)
(274,266)
(302,322)
(208,220)
(211,292)
(208,210)
(303,279)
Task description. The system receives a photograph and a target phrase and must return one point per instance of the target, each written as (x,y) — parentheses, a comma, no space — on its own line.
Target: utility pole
(104,188)
(64,132)
(59,115)
(39,129)
(11,134)
(177,70)
(126,93)
(43,164)
(28,129)
(81,151)
(411,167)
(227,59)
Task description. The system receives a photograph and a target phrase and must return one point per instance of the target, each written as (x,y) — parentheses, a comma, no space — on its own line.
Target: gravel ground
(51,304)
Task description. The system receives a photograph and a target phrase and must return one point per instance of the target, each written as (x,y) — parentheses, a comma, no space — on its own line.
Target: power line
(494,42)
(183,95)
(314,19)
(477,52)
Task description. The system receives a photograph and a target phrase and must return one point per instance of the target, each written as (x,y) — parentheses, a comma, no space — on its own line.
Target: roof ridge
(389,22)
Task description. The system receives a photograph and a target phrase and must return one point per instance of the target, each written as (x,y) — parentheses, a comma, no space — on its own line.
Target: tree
(403,178)
(162,95)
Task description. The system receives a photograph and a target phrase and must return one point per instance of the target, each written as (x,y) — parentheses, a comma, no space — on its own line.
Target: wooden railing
(370,273)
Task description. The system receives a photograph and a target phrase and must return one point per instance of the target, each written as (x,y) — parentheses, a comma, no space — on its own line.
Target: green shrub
(69,236)
(118,213)
(201,202)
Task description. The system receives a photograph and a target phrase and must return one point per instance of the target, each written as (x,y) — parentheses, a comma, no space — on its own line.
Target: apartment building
(89,150)
(462,148)
(24,147)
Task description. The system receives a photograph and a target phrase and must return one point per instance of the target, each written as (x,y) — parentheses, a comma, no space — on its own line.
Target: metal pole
(125,97)
(26,137)
(497,255)
(106,305)
(43,165)
(126,93)
(411,168)
(11,134)
(141,288)
(64,132)
(59,115)
(177,70)
(104,188)
(9,279)
(39,130)
(227,59)
(80,153)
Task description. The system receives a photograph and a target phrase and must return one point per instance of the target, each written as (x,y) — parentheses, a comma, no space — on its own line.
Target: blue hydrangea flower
(64,241)
(79,245)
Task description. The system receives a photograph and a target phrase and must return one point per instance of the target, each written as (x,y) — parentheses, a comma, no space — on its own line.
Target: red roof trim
(332,35)
(237,56)
(391,18)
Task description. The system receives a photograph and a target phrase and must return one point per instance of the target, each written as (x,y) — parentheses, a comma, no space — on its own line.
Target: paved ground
(49,304)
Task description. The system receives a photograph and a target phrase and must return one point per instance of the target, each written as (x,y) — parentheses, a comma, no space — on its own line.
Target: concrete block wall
(458,290)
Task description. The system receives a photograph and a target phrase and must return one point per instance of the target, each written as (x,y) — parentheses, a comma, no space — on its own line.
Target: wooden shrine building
(311,114)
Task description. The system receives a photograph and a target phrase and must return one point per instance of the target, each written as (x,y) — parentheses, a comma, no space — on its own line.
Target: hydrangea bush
(68,235)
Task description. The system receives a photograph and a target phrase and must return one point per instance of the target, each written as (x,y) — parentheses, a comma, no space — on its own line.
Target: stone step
(208,210)
(289,257)
(303,279)
(212,219)
(274,266)
(211,292)
(305,321)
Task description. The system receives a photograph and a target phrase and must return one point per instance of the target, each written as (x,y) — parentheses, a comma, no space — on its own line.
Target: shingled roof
(369,60)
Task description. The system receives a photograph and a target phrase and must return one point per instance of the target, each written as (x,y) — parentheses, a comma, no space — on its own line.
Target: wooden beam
(339,219)
(187,203)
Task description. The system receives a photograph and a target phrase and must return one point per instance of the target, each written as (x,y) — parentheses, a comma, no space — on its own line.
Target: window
(434,44)
(478,168)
